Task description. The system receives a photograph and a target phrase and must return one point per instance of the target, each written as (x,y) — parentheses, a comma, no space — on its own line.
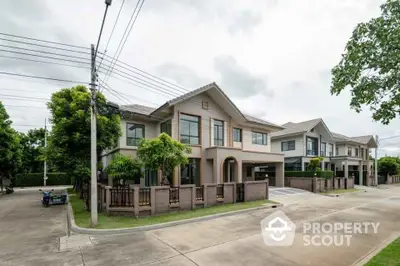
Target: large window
(288,145)
(312,146)
(134,133)
(259,138)
(362,153)
(150,177)
(190,173)
(218,133)
(330,150)
(166,127)
(349,151)
(237,135)
(356,152)
(337,151)
(190,129)
(323,149)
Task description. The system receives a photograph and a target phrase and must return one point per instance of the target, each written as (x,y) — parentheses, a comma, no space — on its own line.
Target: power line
(112,31)
(45,46)
(39,40)
(43,62)
(44,56)
(27,97)
(40,77)
(118,53)
(23,106)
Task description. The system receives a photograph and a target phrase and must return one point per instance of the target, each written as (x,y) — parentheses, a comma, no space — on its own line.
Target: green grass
(340,191)
(82,217)
(389,256)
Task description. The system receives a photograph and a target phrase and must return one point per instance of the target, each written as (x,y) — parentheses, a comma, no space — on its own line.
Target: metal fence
(200,193)
(220,191)
(121,196)
(174,195)
(145,196)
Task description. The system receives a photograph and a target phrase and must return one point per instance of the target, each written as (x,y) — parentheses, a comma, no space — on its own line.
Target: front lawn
(389,256)
(82,217)
(340,191)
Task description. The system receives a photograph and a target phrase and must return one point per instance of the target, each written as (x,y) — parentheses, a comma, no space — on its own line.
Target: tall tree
(124,167)
(10,150)
(69,142)
(32,144)
(163,153)
(389,165)
(370,65)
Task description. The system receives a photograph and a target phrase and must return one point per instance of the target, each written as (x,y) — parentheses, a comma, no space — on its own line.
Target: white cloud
(291,44)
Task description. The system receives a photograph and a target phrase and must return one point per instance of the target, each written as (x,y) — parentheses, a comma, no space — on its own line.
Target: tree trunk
(1,184)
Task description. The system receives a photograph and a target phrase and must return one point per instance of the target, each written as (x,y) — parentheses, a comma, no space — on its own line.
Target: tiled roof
(137,108)
(296,128)
(362,139)
(261,121)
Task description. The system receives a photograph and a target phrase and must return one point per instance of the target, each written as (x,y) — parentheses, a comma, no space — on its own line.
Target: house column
(360,173)
(217,171)
(279,175)
(228,172)
(346,169)
(239,172)
(302,164)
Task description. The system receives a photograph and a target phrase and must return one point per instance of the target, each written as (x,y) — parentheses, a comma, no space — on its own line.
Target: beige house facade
(227,145)
(299,142)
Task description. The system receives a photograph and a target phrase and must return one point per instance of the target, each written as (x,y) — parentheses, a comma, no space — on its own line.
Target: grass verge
(82,217)
(341,191)
(389,256)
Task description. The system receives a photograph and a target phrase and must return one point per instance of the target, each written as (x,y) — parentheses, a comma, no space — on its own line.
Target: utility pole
(376,160)
(45,163)
(93,142)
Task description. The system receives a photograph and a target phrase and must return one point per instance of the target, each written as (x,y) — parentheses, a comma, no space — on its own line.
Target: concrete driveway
(30,234)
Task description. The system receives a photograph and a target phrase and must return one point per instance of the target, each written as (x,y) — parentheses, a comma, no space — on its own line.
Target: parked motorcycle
(47,197)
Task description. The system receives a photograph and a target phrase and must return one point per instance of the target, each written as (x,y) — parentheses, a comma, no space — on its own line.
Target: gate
(239,192)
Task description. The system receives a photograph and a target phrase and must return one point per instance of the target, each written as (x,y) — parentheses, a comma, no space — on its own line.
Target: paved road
(30,234)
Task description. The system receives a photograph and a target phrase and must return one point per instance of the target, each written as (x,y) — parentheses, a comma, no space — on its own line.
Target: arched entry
(230,170)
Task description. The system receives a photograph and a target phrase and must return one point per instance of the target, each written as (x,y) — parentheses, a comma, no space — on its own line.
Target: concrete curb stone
(80,230)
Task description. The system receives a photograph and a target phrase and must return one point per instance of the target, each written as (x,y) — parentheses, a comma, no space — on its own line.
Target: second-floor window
(330,150)
(218,133)
(337,151)
(312,146)
(190,129)
(356,152)
(362,153)
(288,145)
(259,138)
(323,148)
(134,133)
(166,127)
(349,151)
(237,135)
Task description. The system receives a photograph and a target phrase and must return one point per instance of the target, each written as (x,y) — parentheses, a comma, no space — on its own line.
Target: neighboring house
(302,141)
(227,145)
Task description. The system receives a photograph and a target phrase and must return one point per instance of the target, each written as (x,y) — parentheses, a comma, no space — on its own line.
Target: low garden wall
(137,201)
(393,179)
(318,184)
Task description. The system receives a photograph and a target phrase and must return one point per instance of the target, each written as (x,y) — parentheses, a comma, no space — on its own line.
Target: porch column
(346,169)
(302,164)
(239,172)
(217,171)
(175,177)
(279,175)
(360,173)
(228,173)
(323,166)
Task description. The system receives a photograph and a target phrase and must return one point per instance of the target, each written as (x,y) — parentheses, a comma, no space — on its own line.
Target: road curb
(372,253)
(90,231)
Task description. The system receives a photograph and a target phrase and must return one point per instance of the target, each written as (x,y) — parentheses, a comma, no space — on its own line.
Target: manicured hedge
(324,174)
(36,179)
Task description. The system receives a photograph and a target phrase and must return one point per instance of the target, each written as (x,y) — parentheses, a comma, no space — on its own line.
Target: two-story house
(226,144)
(304,140)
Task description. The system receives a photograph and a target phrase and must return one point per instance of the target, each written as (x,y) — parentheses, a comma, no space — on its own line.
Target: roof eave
(288,135)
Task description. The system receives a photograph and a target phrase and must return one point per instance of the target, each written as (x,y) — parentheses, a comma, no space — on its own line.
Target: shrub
(36,179)
(323,174)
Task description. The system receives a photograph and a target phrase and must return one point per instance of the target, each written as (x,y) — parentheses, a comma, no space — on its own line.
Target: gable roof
(299,128)
(149,111)
(365,140)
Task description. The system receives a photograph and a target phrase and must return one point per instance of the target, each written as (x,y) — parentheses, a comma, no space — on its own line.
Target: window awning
(293,160)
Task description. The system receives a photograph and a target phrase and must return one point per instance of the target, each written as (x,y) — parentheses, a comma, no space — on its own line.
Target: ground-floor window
(190,173)
(150,177)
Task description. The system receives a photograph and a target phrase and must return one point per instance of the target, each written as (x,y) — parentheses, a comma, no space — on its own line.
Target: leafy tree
(69,142)
(315,163)
(389,165)
(370,65)
(32,144)
(124,167)
(163,153)
(10,150)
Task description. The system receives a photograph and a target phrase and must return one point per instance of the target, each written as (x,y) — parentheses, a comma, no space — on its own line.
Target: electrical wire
(39,40)
(27,97)
(118,53)
(41,77)
(23,106)
(43,62)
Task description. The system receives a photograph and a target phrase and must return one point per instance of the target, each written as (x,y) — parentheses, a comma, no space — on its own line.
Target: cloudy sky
(272,57)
